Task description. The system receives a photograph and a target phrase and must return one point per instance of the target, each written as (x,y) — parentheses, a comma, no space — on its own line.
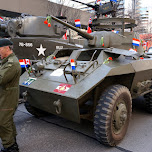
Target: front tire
(112,115)
(35,111)
(148,99)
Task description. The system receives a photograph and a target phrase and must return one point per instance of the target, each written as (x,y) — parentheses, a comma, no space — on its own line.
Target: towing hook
(24,94)
(58,106)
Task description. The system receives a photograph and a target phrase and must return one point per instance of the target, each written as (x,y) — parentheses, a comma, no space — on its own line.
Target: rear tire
(148,99)
(35,111)
(112,115)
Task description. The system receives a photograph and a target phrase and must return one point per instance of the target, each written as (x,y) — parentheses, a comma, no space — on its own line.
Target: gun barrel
(89,5)
(83,34)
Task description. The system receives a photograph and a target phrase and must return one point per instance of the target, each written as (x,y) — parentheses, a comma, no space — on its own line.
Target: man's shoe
(13,148)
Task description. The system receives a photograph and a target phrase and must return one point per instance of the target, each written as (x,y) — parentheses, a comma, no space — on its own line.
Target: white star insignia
(41,50)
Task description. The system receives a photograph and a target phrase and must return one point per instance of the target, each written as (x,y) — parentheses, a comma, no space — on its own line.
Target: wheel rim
(119,117)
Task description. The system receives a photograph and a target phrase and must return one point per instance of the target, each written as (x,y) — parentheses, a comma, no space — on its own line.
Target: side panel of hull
(143,72)
(27,47)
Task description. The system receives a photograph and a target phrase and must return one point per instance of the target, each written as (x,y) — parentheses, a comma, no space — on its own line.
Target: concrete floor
(54,134)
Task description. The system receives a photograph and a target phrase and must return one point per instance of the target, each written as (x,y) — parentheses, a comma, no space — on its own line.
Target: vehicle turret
(108,39)
(33,38)
(32,26)
(104,9)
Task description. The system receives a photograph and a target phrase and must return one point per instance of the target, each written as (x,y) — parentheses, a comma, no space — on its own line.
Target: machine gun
(106,8)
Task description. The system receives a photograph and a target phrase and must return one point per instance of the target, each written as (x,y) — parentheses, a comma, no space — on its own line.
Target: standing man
(10,71)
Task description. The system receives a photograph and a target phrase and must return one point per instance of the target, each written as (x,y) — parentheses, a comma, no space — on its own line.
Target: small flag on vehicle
(72,64)
(144,44)
(1,19)
(89,29)
(24,62)
(27,61)
(114,31)
(77,23)
(65,36)
(90,20)
(135,42)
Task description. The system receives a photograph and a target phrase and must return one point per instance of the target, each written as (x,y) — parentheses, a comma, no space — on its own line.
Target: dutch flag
(90,20)
(1,19)
(77,23)
(135,42)
(72,64)
(24,62)
(115,31)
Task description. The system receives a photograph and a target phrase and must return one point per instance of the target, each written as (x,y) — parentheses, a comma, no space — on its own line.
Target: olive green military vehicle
(96,83)
(33,39)
(3,25)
